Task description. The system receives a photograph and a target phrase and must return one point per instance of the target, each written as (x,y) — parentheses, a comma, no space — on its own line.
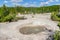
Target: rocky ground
(10,31)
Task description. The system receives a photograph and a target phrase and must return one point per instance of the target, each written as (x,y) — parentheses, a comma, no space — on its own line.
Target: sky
(29,3)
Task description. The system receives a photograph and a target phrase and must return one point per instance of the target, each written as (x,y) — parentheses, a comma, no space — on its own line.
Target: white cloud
(41,4)
(18,4)
(50,0)
(32,5)
(5,1)
(34,2)
(47,2)
(29,5)
(53,0)
(44,3)
(57,0)
(26,4)
(57,4)
(15,1)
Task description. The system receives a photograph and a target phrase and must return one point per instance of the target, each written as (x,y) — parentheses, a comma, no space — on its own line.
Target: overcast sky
(28,3)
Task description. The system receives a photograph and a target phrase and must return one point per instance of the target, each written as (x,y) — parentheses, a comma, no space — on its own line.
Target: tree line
(44,9)
(9,13)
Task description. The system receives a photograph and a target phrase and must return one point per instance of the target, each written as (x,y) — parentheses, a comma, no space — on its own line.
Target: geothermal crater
(31,29)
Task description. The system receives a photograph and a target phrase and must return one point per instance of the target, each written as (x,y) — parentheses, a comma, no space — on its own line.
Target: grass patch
(57,35)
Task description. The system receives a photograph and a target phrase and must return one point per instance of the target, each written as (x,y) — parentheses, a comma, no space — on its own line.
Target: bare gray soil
(11,31)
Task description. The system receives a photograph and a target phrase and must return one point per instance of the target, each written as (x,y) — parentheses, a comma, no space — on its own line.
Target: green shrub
(54,16)
(57,35)
(9,18)
(6,14)
(59,24)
